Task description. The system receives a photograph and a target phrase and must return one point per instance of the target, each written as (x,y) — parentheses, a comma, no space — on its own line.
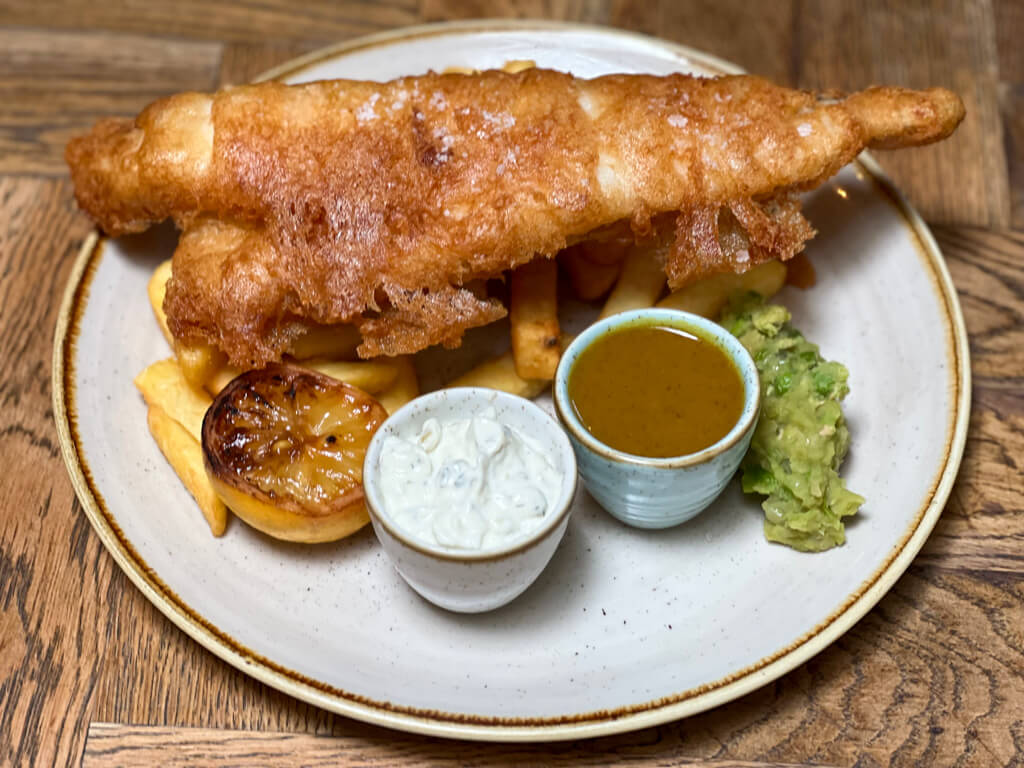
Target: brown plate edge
(451,725)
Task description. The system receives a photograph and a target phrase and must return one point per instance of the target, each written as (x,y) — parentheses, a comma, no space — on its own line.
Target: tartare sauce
(467,484)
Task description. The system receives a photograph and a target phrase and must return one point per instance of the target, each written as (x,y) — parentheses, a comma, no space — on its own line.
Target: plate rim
(449,725)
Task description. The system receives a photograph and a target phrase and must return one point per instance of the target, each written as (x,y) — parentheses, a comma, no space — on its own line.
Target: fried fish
(380,204)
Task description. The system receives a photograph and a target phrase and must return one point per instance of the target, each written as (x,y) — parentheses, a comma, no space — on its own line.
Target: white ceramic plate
(625,628)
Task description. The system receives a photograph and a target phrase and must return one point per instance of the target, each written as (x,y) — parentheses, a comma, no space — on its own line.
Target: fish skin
(361,195)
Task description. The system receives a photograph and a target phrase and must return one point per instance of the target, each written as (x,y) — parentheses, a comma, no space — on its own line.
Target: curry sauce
(656,391)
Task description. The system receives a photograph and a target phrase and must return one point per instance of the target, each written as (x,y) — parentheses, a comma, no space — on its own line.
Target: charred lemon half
(284,449)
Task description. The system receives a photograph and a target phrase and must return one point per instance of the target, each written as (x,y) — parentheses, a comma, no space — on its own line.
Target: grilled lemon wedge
(284,449)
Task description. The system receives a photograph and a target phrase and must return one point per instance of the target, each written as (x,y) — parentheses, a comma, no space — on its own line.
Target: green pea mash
(801,437)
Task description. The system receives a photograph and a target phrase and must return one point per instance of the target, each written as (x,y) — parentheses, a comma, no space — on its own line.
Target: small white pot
(471,582)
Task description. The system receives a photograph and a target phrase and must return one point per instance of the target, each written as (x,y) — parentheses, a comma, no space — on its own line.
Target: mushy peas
(656,391)
(801,437)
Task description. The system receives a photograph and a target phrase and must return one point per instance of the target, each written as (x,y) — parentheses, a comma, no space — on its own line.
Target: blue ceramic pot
(658,492)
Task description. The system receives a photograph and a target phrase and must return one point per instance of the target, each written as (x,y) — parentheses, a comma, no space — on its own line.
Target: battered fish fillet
(375,204)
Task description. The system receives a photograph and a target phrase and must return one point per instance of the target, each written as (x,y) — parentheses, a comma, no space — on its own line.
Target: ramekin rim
(567,490)
(721,337)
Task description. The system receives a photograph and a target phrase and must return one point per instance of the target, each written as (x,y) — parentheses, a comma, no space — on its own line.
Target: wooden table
(934,674)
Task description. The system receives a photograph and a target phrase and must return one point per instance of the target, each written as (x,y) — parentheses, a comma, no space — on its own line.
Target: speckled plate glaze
(626,628)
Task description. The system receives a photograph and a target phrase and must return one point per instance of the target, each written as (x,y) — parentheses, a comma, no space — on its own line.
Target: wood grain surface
(934,675)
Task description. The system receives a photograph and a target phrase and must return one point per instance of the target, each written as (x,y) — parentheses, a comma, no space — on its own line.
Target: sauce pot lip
(567,492)
(675,318)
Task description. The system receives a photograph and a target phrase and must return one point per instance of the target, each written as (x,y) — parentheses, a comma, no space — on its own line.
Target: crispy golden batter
(225,291)
(374,203)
